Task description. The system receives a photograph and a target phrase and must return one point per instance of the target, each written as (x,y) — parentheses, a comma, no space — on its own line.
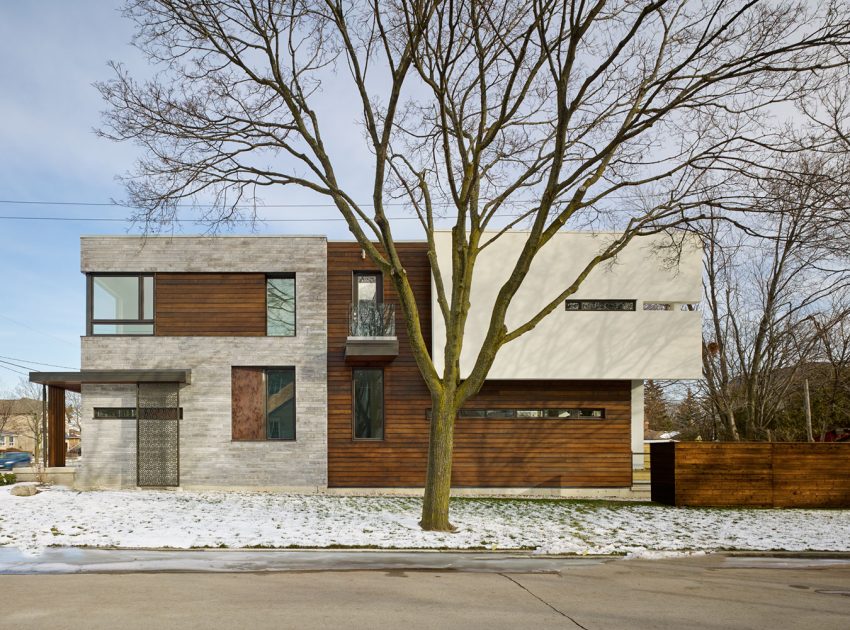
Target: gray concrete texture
(702,593)
(208,456)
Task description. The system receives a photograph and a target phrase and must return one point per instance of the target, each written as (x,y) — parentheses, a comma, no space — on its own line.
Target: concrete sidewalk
(702,593)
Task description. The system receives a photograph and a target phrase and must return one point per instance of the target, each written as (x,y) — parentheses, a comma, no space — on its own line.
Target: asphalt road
(698,592)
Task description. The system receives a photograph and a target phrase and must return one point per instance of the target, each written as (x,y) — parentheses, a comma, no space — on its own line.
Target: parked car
(8,461)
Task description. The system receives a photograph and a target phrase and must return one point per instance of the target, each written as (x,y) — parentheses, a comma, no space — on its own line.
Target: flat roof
(73,380)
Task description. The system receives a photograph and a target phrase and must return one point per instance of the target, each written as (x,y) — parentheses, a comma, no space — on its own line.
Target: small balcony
(371,333)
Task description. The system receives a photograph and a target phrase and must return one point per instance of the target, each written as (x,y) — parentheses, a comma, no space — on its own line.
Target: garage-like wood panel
(488,452)
(210,304)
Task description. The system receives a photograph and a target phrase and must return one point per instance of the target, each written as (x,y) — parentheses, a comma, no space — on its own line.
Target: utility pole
(808,405)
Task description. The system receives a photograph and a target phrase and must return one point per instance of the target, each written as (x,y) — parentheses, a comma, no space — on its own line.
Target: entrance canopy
(56,383)
(72,380)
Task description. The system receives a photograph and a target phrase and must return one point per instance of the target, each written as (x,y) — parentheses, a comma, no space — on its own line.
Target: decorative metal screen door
(158,434)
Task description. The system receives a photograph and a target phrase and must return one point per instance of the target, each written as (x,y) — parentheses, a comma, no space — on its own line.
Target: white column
(637,425)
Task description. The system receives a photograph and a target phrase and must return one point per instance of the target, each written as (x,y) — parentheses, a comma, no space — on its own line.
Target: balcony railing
(370,319)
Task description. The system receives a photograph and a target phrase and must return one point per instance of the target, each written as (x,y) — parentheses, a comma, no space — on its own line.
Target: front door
(158,435)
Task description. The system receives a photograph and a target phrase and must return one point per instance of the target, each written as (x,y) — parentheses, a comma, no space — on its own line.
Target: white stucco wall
(584,345)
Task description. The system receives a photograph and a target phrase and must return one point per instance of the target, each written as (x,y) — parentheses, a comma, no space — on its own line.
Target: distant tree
(656,409)
(690,418)
(32,421)
(7,406)
(73,410)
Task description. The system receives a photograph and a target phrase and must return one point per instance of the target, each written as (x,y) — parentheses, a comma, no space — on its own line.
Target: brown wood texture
(756,474)
(210,304)
(488,452)
(55,426)
(248,397)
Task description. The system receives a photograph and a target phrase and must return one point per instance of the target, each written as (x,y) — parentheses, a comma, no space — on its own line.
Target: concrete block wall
(208,456)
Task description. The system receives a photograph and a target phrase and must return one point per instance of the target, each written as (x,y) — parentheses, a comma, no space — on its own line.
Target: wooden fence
(751,474)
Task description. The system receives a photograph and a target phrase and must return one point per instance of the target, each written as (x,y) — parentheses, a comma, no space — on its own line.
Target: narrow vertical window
(368,386)
(280,306)
(280,404)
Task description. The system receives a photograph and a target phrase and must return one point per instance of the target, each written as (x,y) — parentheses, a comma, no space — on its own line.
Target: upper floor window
(280,306)
(368,288)
(120,304)
(600,305)
(370,317)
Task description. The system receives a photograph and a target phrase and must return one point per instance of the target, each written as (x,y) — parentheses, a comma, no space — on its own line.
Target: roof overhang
(73,380)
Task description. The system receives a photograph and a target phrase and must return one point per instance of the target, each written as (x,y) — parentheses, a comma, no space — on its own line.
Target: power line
(23,367)
(40,332)
(178,220)
(117,204)
(37,362)
(13,370)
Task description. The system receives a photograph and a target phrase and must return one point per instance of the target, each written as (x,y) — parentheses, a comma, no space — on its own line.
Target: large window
(280,306)
(368,393)
(280,404)
(120,305)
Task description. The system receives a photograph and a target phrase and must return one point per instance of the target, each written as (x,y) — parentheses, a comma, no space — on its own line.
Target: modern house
(281,363)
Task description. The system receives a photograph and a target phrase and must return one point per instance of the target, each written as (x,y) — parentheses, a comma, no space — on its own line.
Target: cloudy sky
(51,52)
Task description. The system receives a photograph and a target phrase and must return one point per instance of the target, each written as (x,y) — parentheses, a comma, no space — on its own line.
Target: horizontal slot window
(600,305)
(532,413)
(129,413)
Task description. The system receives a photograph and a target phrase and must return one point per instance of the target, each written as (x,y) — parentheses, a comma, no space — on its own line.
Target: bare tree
(765,289)
(73,410)
(7,407)
(550,112)
(31,415)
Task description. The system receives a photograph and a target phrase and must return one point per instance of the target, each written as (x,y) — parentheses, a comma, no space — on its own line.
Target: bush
(7,479)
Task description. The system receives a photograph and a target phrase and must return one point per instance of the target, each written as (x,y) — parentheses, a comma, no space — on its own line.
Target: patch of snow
(182,520)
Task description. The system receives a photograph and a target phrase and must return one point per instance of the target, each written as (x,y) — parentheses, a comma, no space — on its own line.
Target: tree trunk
(435,506)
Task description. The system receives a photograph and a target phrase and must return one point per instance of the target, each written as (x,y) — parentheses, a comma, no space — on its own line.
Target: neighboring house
(281,363)
(73,442)
(17,417)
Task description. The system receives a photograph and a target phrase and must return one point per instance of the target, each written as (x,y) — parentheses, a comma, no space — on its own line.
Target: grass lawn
(154,519)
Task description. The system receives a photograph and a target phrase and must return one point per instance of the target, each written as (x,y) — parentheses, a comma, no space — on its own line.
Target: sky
(51,53)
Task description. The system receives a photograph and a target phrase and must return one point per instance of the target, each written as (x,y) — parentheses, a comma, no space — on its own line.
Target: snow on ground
(139,519)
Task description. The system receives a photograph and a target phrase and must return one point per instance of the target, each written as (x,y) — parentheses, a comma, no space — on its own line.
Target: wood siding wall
(488,452)
(55,426)
(751,474)
(210,304)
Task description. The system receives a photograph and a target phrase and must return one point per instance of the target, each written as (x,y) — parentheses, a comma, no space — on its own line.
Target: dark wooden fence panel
(662,457)
(811,475)
(751,474)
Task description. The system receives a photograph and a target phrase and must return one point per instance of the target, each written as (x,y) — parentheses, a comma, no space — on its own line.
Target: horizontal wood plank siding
(488,452)
(752,474)
(210,304)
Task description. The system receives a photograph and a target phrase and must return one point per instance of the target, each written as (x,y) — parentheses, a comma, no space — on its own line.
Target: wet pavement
(80,560)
